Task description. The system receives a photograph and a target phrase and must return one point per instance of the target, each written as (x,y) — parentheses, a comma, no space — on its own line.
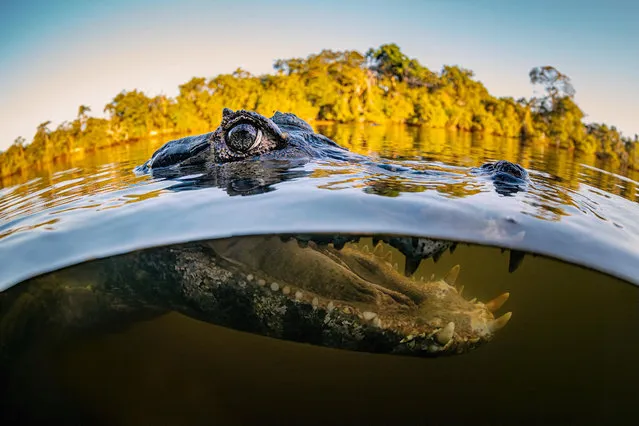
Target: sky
(57,55)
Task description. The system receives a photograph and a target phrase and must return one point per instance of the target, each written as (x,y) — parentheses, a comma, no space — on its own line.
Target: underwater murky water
(137,338)
(97,355)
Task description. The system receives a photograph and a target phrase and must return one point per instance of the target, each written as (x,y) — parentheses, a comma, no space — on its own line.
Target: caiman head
(246,134)
(345,298)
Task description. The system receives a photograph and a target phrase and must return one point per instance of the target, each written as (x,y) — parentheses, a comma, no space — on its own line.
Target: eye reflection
(243,137)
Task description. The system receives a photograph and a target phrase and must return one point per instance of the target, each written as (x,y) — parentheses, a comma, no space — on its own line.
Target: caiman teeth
(445,334)
(368,316)
(500,322)
(378,248)
(497,302)
(452,275)
(516,257)
(412,263)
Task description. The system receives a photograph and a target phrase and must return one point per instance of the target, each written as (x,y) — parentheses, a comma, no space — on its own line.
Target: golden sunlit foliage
(382,86)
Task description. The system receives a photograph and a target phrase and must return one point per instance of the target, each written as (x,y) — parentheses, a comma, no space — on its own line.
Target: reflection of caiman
(346,298)
(247,152)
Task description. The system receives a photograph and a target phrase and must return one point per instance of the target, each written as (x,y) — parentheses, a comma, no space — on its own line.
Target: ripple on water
(572,210)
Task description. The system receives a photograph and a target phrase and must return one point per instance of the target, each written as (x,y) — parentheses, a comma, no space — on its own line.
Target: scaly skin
(337,298)
(342,298)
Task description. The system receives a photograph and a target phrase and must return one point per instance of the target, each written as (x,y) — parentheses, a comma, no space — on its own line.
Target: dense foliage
(384,85)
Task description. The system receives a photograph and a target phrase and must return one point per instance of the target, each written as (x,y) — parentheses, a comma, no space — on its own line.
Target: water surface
(94,207)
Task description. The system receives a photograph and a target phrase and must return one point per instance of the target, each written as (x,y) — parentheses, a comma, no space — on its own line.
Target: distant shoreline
(381,86)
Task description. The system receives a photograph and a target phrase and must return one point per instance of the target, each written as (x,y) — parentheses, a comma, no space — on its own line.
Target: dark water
(568,355)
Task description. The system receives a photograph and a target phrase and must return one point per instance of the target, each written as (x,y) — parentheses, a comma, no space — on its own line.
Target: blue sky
(56,55)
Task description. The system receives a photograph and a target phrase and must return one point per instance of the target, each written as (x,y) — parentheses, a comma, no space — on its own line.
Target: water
(568,354)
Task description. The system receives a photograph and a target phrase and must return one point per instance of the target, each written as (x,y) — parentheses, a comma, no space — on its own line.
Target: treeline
(384,85)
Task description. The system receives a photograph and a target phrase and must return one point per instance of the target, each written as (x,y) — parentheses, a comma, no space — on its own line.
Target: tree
(388,61)
(41,145)
(556,84)
(82,116)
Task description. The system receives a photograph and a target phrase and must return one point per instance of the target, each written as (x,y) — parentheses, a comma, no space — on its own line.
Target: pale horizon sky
(57,55)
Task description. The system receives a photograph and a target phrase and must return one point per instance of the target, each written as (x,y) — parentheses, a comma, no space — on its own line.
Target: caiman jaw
(353,300)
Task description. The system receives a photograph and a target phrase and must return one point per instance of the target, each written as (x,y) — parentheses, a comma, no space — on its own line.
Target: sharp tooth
(412,263)
(377,322)
(500,322)
(275,286)
(369,315)
(330,306)
(473,300)
(249,277)
(395,266)
(315,302)
(497,302)
(378,250)
(461,290)
(446,333)
(299,295)
(365,249)
(516,257)
(261,282)
(286,290)
(407,339)
(452,275)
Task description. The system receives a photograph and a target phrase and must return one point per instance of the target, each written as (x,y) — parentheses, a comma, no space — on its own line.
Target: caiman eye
(243,138)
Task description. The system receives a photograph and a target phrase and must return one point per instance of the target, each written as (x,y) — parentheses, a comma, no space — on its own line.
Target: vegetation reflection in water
(116,342)
(560,174)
